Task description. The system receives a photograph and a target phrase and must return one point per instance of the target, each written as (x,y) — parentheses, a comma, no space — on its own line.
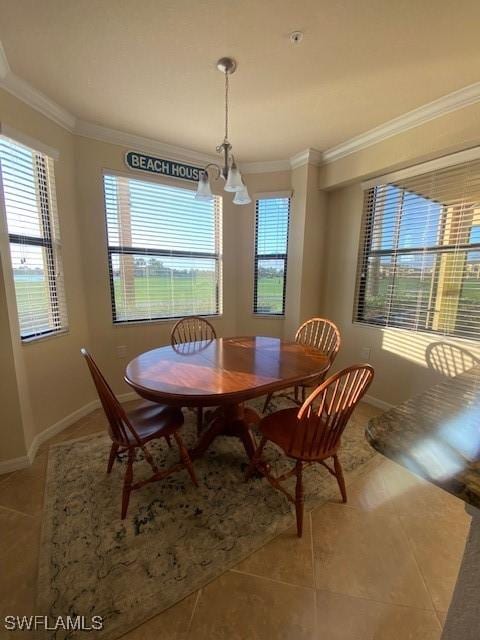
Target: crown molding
(430,111)
(140,143)
(307,156)
(37,100)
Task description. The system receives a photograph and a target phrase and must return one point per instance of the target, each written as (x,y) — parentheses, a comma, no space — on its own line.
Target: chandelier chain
(226,106)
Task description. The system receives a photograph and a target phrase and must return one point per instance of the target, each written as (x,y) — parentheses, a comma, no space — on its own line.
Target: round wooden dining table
(223,373)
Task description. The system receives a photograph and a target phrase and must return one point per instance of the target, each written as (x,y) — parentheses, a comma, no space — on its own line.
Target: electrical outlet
(121,351)
(365,354)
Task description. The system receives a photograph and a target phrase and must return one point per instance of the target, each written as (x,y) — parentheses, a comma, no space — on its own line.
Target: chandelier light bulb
(242,196)
(204,191)
(234,179)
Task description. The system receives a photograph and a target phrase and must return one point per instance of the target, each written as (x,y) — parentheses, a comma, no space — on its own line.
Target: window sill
(47,336)
(136,323)
(425,332)
(277,316)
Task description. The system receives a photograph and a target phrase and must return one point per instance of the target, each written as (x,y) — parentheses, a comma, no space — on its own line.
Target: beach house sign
(160,166)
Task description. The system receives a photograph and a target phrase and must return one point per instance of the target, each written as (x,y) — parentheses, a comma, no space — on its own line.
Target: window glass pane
(419,266)
(399,289)
(270,283)
(475,234)
(411,291)
(20,189)
(30,206)
(387,202)
(379,283)
(164,250)
(271,239)
(32,289)
(272,225)
(468,314)
(154,286)
(419,222)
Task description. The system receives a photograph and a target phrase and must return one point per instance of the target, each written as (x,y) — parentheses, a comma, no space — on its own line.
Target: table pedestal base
(228,420)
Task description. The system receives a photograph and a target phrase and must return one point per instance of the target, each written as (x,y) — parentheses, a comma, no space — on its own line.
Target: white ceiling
(148,67)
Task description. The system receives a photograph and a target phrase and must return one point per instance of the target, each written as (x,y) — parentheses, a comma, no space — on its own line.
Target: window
(420,261)
(271,248)
(164,250)
(30,206)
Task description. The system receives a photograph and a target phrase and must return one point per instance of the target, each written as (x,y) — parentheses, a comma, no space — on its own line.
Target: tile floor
(382,567)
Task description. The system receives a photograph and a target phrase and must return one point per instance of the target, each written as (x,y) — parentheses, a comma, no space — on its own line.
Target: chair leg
(199,419)
(149,459)
(113,454)
(185,458)
(340,478)
(256,458)
(299,497)
(295,393)
(127,483)
(267,402)
(303,394)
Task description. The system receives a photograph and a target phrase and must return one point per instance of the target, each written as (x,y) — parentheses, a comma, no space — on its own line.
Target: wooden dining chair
(317,333)
(313,433)
(193,329)
(134,430)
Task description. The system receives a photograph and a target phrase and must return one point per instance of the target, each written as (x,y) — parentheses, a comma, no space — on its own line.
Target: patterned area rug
(175,539)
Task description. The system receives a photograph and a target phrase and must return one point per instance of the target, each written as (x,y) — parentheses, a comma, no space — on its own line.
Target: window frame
(257,257)
(48,241)
(366,252)
(125,250)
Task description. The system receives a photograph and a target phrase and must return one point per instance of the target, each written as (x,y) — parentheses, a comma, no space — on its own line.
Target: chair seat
(279,427)
(151,420)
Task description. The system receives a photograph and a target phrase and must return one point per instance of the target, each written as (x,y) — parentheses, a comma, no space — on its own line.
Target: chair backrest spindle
(192,329)
(321,334)
(118,423)
(324,415)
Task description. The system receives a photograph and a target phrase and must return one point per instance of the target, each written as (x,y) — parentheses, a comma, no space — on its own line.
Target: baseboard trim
(7,466)
(128,397)
(59,426)
(15,464)
(376,402)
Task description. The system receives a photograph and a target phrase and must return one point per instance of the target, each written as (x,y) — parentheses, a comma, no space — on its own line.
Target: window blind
(419,265)
(164,250)
(31,213)
(271,250)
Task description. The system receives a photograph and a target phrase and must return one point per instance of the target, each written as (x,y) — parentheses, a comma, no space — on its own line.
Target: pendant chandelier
(229,172)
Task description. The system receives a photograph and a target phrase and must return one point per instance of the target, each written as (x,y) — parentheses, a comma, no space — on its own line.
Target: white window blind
(271,250)
(419,266)
(31,210)
(164,251)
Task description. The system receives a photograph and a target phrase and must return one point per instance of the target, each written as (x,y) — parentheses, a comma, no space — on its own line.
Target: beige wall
(47,381)
(305,249)
(400,358)
(12,434)
(54,382)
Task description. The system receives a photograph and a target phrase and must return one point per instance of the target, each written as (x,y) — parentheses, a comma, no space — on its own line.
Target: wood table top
(224,370)
(436,435)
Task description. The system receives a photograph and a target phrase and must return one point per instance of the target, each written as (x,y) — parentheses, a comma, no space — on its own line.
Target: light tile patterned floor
(382,567)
